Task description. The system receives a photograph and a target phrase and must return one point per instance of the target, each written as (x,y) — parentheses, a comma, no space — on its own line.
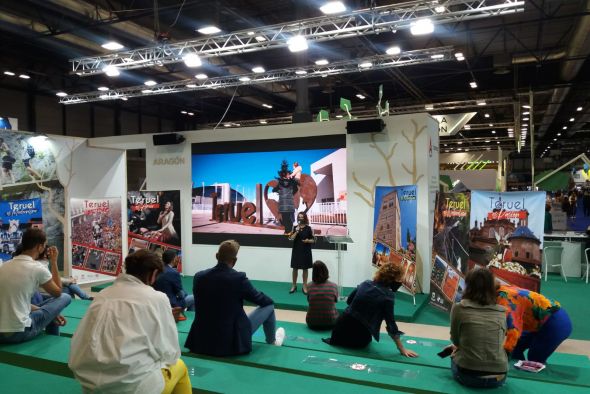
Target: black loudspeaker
(168,139)
(365,126)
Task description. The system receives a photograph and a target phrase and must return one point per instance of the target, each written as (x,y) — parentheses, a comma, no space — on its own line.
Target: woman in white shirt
(127,342)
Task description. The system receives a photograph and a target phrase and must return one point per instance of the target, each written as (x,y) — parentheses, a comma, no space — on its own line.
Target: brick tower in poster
(388,230)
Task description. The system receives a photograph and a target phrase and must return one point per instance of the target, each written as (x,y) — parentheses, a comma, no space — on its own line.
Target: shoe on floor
(280,336)
(293,290)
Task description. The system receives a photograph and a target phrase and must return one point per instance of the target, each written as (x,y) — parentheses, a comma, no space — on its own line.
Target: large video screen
(252,191)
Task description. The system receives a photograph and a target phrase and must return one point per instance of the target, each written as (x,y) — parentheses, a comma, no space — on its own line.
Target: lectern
(338,241)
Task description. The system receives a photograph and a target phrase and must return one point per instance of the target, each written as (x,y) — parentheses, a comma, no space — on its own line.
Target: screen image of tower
(253,190)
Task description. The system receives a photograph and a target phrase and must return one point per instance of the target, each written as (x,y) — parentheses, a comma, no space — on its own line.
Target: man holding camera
(19,279)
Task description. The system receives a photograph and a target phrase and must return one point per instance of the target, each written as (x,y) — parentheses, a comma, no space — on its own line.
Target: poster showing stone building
(394,230)
(506,235)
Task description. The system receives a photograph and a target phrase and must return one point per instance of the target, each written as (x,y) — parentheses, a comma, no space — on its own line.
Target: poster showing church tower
(394,230)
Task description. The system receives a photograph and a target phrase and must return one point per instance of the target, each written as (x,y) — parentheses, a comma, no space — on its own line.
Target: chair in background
(552,257)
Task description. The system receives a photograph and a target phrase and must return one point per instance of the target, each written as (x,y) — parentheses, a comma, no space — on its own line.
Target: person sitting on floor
(478,329)
(368,305)
(221,327)
(127,341)
(322,296)
(20,278)
(534,323)
(170,283)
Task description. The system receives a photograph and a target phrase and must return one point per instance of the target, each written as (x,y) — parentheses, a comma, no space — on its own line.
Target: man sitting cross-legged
(221,327)
(20,278)
(170,283)
(127,342)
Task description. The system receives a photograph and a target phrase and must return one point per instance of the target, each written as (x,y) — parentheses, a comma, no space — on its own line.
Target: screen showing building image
(253,190)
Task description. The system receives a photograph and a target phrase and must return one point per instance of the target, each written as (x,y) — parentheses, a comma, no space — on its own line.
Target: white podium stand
(338,240)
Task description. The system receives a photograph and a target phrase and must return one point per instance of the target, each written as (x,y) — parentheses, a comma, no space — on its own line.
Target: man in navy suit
(170,283)
(221,327)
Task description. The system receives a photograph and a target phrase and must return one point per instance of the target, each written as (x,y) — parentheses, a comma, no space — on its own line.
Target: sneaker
(279,336)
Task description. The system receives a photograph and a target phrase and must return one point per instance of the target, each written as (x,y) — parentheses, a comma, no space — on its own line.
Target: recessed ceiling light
(258,70)
(112,46)
(460,142)
(244,79)
(554,139)
(183,112)
(366,65)
(564,127)
(61,94)
(473,85)
(395,50)
(300,72)
(124,98)
(333,7)
(150,83)
(201,76)
(487,141)
(297,43)
(191,114)
(559,134)
(498,142)
(111,71)
(510,129)
(572,119)
(322,62)
(227,125)
(437,56)
(209,30)
(487,115)
(24,76)
(525,119)
(579,109)
(360,96)
(493,131)
(192,60)
(421,27)
(526,113)
(9,73)
(526,106)
(491,124)
(103,88)
(191,85)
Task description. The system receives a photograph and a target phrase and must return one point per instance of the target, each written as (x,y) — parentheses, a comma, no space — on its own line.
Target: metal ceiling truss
(453,105)
(380,62)
(357,23)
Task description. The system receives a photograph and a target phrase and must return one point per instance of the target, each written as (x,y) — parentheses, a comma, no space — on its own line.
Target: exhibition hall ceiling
(535,51)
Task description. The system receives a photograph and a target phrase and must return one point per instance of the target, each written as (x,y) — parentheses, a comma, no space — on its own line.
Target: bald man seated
(221,327)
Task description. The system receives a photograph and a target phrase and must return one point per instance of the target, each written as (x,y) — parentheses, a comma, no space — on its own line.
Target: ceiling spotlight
(258,70)
(103,88)
(360,96)
(61,94)
(493,131)
(24,76)
(421,27)
(227,125)
(498,142)
(467,127)
(150,83)
(201,76)
(322,62)
(473,85)
(395,50)
(183,112)
(460,142)
(554,139)
(559,134)
(491,124)
(111,71)
(459,54)
(509,130)
(526,113)
(429,107)
(263,122)
(487,141)
(104,96)
(333,7)
(572,119)
(579,109)
(191,114)
(244,79)
(526,106)
(525,119)
(124,98)
(300,72)
(145,91)
(260,38)
(192,60)
(564,127)
(112,46)
(437,56)
(366,65)
(297,43)
(191,85)
(481,102)
(209,30)
(267,106)
(9,73)
(487,115)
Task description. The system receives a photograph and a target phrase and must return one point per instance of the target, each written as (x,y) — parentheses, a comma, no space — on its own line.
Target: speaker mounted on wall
(168,139)
(365,126)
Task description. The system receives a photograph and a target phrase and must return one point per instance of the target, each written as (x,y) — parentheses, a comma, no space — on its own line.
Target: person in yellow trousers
(127,342)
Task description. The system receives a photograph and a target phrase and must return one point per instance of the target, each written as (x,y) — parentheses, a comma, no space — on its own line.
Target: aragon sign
(169,161)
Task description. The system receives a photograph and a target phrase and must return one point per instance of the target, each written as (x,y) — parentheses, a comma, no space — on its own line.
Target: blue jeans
(477,381)
(41,319)
(74,290)
(189,301)
(543,343)
(265,316)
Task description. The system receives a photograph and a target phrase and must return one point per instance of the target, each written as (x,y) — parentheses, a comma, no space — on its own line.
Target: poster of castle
(450,249)
(394,230)
(506,235)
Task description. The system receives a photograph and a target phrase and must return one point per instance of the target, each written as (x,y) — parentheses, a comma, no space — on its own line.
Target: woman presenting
(302,237)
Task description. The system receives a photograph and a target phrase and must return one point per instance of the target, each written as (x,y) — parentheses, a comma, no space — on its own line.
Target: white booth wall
(405,153)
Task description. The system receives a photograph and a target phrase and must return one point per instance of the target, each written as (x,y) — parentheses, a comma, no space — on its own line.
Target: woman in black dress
(302,237)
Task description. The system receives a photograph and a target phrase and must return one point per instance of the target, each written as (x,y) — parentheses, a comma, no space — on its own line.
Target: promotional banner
(450,249)
(506,233)
(154,221)
(15,218)
(394,230)
(96,235)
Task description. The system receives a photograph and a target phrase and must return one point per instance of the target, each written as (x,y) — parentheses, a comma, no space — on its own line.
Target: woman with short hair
(322,296)
(368,305)
(478,330)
